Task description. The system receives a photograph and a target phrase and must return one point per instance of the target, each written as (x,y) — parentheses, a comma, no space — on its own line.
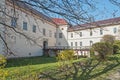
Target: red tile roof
(59,21)
(101,23)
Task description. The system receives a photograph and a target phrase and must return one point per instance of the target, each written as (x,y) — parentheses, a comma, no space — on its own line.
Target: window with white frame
(25,26)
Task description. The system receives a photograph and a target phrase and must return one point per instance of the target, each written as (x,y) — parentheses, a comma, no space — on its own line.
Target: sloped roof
(59,21)
(101,23)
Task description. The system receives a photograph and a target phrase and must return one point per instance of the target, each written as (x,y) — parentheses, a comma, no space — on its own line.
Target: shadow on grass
(80,71)
(29,61)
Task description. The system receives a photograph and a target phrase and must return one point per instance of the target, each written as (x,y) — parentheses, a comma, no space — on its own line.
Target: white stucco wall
(96,37)
(23,47)
(64,40)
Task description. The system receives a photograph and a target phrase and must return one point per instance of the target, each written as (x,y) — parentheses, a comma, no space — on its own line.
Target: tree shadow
(17,62)
(79,71)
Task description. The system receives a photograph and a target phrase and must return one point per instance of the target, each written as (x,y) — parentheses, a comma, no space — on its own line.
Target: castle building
(27,31)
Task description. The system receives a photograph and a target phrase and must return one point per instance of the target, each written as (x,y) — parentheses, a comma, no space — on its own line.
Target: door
(45,44)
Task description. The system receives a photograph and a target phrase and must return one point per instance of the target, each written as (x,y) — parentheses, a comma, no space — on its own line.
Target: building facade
(27,32)
(87,34)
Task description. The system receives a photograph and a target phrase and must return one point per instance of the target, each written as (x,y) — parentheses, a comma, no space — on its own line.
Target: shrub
(2,61)
(108,38)
(3,74)
(114,57)
(65,56)
(116,46)
(92,51)
(108,45)
(102,49)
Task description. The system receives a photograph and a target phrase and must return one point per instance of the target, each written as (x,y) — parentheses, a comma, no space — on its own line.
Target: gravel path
(115,76)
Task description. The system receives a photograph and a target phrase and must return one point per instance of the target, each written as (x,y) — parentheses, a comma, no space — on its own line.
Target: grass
(30,61)
(27,68)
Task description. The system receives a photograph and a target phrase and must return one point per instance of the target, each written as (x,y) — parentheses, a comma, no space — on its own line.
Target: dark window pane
(13,22)
(60,35)
(24,25)
(44,32)
(34,28)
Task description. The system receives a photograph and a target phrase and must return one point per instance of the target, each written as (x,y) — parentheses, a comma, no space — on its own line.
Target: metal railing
(68,47)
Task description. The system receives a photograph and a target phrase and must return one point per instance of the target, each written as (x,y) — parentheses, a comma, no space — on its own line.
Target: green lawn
(30,68)
(30,61)
(26,66)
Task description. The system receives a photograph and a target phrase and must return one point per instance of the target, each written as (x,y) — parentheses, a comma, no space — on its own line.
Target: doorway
(45,44)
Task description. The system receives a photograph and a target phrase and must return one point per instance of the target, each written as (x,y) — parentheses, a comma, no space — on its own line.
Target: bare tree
(75,12)
(115,2)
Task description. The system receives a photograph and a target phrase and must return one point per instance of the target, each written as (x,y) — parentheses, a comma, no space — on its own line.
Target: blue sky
(105,10)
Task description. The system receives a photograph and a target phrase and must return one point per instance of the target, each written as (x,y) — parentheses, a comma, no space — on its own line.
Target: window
(34,28)
(91,33)
(44,32)
(101,31)
(114,30)
(59,43)
(50,33)
(55,35)
(91,42)
(13,22)
(75,43)
(80,34)
(71,35)
(71,43)
(60,35)
(24,25)
(80,43)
